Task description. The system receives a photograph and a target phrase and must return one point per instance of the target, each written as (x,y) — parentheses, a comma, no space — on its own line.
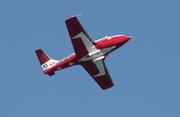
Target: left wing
(80,39)
(99,73)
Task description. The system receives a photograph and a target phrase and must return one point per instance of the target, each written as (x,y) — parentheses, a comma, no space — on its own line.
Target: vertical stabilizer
(43,57)
(45,61)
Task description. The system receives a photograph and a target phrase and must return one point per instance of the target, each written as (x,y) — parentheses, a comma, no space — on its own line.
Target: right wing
(80,39)
(99,73)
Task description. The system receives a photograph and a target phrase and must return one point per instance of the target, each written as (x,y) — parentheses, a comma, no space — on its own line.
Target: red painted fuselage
(106,45)
(90,54)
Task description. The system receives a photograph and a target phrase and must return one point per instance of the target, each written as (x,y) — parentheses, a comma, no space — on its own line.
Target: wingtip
(76,15)
(38,49)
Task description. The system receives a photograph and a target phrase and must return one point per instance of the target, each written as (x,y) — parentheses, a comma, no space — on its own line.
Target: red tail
(42,56)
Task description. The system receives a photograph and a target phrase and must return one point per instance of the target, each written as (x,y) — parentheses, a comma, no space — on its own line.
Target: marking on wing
(100,67)
(74,25)
(88,44)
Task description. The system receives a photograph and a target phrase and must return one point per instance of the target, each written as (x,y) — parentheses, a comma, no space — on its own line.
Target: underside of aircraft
(90,54)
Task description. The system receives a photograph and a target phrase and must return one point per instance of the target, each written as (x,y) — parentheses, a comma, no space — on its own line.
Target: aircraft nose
(128,37)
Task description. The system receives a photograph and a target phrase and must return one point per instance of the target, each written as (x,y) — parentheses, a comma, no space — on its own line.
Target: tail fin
(45,61)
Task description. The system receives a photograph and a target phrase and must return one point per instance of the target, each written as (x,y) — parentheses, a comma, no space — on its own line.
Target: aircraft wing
(80,39)
(99,73)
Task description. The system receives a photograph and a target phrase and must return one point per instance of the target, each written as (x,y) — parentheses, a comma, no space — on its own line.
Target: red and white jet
(88,53)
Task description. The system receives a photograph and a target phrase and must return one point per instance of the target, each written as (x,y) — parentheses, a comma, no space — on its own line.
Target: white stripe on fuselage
(101,53)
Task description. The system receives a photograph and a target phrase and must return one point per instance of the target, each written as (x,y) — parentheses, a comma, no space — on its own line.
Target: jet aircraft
(90,54)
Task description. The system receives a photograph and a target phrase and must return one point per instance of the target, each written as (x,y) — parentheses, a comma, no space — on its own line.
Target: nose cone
(127,38)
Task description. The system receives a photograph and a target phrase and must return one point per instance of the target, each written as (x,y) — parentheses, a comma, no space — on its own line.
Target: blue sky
(145,71)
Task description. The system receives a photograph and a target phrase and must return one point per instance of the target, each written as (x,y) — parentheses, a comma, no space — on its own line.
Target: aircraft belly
(101,53)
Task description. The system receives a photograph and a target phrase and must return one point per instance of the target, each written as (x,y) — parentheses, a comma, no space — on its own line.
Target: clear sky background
(145,71)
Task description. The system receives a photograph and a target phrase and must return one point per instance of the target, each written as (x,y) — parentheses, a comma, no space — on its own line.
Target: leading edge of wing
(74,27)
(99,73)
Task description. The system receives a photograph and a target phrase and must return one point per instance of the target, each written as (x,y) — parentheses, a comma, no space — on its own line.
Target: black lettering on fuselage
(45,66)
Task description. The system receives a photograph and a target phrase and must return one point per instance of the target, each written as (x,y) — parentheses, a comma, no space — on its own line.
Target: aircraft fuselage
(88,53)
(104,47)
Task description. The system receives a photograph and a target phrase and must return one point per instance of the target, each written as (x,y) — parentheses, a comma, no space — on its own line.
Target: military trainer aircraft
(90,54)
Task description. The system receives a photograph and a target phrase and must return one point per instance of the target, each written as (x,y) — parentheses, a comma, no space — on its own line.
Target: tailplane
(45,61)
